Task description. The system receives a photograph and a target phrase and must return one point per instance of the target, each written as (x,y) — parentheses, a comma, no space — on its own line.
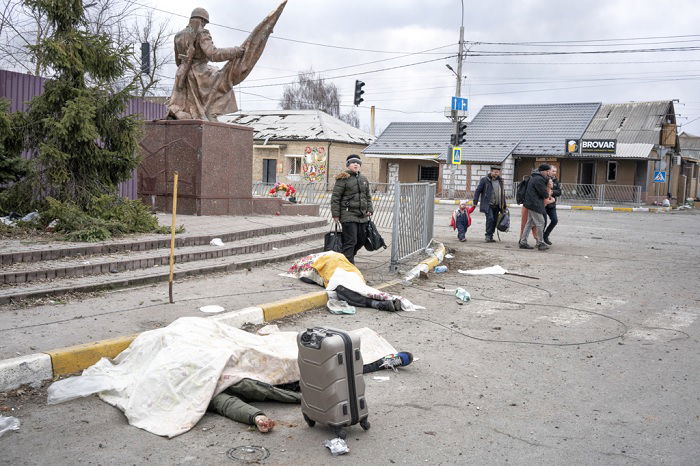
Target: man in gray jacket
(351,205)
(492,196)
(534,203)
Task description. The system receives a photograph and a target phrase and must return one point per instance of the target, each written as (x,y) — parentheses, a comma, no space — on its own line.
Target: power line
(486,53)
(287,39)
(589,40)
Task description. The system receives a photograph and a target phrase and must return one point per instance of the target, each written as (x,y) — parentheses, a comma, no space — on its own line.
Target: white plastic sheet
(7,424)
(493,270)
(164,381)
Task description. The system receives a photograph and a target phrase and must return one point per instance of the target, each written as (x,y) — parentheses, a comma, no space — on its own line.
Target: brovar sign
(599,146)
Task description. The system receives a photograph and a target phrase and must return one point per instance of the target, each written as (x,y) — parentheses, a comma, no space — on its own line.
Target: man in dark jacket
(493,199)
(534,202)
(351,205)
(551,209)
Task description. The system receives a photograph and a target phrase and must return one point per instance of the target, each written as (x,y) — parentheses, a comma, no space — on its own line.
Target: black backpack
(373,240)
(522,189)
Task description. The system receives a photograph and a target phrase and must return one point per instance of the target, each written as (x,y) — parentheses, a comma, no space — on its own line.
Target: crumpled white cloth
(493,270)
(164,380)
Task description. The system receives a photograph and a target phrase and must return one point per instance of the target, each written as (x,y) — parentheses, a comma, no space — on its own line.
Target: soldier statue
(201,91)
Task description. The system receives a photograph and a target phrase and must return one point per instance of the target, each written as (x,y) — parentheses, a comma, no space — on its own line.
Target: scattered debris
(216,242)
(336,306)
(8,424)
(337,446)
(51,227)
(441,269)
(212,309)
(381,378)
(248,453)
(449,256)
(462,294)
(493,270)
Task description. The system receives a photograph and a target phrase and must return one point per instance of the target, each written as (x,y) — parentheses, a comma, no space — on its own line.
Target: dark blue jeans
(491,216)
(551,211)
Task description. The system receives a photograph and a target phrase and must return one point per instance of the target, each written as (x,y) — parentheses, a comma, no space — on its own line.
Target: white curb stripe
(32,369)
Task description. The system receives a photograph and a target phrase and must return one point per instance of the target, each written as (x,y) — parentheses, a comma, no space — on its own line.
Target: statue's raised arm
(201,91)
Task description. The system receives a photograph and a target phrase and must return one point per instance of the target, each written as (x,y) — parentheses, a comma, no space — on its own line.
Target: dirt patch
(472,259)
(13,402)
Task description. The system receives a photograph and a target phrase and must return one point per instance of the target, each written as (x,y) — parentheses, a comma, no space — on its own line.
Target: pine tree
(84,146)
(12,166)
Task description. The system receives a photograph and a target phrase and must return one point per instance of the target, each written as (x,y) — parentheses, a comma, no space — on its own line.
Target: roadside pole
(172,240)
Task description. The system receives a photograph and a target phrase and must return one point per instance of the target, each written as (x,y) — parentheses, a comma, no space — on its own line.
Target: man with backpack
(534,201)
(493,199)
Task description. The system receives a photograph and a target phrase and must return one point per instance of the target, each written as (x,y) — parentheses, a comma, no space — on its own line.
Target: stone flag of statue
(202,92)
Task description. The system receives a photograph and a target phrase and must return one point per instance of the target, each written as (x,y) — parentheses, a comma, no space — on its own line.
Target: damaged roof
(412,138)
(298,125)
(690,145)
(631,122)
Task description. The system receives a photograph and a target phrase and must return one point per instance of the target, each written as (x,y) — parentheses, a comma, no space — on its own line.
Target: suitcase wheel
(309,421)
(364,423)
(340,432)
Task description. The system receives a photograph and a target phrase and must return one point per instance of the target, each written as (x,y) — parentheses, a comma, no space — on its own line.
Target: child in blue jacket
(461,219)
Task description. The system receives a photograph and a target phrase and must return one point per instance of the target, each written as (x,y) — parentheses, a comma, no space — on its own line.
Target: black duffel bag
(333,240)
(373,240)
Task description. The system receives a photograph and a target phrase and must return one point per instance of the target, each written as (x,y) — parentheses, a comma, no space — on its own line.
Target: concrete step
(160,273)
(15,274)
(53,251)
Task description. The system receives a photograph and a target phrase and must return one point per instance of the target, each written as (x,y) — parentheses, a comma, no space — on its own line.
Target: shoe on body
(542,247)
(525,246)
(546,240)
(400,359)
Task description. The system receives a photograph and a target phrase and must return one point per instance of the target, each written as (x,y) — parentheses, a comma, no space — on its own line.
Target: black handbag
(333,240)
(503,222)
(373,240)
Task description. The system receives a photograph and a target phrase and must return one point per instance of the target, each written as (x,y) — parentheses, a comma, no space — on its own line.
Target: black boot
(546,240)
(384,305)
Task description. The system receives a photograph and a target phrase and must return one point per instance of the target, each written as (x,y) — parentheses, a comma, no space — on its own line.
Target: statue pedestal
(215,166)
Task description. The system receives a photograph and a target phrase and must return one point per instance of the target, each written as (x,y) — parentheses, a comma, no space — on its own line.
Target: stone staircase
(56,269)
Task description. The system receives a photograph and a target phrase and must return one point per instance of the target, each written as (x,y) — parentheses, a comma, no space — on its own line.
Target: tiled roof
(303,125)
(413,138)
(538,129)
(631,122)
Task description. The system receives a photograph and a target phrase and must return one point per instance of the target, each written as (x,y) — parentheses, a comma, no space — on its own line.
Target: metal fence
(412,205)
(597,194)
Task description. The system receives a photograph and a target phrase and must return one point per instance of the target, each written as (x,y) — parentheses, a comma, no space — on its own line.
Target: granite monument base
(214,162)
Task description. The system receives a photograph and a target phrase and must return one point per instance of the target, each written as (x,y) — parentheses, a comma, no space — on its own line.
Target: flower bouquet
(283,189)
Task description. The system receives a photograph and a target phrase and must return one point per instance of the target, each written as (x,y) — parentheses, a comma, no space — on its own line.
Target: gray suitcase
(332,387)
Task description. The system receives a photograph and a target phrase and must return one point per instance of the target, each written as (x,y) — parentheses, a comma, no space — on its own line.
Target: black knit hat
(352,158)
(544,167)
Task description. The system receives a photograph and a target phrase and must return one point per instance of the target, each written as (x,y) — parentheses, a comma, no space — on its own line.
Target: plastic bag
(79,387)
(337,446)
(7,424)
(340,307)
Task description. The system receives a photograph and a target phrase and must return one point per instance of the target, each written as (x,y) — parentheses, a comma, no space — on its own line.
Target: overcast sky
(388,30)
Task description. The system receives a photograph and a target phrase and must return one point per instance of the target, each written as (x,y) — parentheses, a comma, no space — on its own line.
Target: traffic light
(461,134)
(358,92)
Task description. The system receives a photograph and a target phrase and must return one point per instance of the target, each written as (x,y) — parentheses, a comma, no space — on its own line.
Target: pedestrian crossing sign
(659,177)
(456,155)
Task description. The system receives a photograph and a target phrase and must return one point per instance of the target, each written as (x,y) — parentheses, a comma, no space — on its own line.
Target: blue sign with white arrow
(460,103)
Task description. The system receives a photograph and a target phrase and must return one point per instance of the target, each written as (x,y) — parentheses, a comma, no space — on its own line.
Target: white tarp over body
(164,381)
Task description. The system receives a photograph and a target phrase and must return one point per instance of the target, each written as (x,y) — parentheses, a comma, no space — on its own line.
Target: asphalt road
(593,363)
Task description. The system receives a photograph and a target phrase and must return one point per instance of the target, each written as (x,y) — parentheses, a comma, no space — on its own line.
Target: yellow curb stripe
(76,358)
(287,307)
(581,207)
(622,209)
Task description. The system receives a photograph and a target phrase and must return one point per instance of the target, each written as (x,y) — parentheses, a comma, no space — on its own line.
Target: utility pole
(456,119)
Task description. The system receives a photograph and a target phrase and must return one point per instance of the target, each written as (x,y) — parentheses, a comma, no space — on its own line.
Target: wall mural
(314,167)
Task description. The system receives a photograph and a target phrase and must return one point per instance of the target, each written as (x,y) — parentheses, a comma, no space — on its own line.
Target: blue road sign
(456,155)
(659,177)
(460,103)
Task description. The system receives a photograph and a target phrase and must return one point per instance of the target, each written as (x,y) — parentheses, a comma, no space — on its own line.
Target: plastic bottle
(462,294)
(441,269)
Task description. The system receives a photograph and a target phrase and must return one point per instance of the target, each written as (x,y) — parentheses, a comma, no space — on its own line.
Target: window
(612,171)
(295,165)
(428,173)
